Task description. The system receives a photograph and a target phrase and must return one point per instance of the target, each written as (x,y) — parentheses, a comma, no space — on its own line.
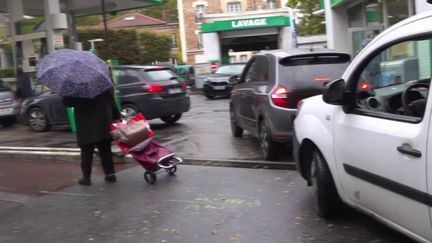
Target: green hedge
(122,43)
(7,73)
(128,46)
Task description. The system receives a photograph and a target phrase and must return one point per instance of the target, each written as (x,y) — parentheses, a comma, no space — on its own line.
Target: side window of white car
(395,83)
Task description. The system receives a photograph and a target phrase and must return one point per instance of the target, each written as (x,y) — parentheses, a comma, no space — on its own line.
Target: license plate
(174,91)
(219,87)
(6,111)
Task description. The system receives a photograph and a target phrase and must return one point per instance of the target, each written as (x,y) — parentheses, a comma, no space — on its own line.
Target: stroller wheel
(150,177)
(171,171)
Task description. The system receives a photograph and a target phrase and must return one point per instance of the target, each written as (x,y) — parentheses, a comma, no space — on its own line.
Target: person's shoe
(110,178)
(84,182)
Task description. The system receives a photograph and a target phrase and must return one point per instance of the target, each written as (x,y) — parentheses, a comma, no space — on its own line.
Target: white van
(367,141)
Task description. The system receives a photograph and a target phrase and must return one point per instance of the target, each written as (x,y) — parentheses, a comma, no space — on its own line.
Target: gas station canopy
(82,7)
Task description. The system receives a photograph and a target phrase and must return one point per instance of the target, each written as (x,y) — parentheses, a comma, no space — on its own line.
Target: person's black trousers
(105,155)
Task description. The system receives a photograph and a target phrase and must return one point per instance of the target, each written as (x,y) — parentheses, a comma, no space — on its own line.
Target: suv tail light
(279,97)
(152,88)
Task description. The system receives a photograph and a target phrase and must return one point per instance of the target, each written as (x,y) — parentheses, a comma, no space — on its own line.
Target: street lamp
(92,41)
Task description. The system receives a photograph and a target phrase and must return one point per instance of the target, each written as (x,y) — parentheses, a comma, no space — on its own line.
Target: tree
(310,24)
(5,43)
(154,12)
(154,47)
(157,11)
(122,44)
(88,20)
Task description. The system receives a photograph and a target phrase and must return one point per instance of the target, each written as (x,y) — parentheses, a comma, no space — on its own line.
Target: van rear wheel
(328,202)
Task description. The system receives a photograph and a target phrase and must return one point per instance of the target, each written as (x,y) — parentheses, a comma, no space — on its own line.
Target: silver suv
(9,107)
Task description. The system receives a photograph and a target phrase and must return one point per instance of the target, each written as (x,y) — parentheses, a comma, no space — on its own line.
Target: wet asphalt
(199,204)
(203,133)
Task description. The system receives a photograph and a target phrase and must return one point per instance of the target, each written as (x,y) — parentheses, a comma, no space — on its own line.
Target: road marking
(51,149)
(67,194)
(12,197)
(6,188)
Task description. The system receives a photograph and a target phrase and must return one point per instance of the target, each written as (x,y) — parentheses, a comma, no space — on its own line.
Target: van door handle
(407,149)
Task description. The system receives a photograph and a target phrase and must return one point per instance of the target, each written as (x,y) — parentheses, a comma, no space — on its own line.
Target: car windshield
(3,86)
(230,69)
(160,75)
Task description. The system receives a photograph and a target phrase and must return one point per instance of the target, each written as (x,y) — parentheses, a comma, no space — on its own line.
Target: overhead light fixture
(129,18)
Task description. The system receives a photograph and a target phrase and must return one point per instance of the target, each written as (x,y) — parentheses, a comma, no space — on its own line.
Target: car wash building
(36,27)
(351,24)
(216,31)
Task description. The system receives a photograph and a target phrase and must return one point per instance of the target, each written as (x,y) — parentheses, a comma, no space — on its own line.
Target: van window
(396,88)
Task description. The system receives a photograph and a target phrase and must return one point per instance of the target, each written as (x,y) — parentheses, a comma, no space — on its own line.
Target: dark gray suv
(265,96)
(153,90)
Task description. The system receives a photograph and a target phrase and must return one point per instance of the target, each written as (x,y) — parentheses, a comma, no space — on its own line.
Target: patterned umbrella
(74,73)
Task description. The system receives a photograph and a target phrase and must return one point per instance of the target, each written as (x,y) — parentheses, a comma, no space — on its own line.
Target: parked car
(9,107)
(265,96)
(216,84)
(153,90)
(185,73)
(366,141)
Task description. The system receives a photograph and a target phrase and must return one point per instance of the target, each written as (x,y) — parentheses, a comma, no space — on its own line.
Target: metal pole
(106,29)
(104,16)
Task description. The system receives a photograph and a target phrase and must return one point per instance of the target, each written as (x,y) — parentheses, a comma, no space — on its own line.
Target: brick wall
(191,27)
(190,16)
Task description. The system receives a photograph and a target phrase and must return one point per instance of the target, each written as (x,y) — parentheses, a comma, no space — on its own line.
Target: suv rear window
(3,86)
(312,71)
(160,74)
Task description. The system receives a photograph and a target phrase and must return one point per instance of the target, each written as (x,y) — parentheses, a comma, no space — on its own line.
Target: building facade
(231,30)
(351,24)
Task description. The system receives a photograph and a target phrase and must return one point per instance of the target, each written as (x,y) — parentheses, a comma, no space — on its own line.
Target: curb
(73,155)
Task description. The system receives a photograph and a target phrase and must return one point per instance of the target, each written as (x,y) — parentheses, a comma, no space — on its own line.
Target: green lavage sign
(249,23)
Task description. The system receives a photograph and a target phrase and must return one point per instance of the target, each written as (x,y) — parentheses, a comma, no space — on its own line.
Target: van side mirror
(233,80)
(334,92)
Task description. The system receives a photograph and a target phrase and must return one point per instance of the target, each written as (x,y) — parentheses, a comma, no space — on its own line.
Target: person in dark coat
(93,118)
(24,88)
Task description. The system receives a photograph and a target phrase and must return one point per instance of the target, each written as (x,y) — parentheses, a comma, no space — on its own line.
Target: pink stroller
(150,155)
